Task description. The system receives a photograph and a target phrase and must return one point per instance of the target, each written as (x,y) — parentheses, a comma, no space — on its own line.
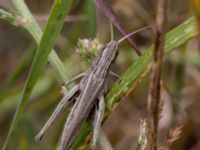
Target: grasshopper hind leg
(98,117)
(65,101)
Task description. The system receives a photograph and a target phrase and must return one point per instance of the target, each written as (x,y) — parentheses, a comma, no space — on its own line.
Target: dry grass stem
(154,89)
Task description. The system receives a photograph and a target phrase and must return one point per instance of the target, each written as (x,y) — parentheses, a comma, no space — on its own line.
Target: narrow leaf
(52,29)
(139,68)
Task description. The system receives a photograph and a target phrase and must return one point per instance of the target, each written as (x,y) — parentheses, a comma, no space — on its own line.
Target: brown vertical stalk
(154,88)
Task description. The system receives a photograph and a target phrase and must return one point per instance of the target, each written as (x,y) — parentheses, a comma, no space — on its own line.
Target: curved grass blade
(24,18)
(136,71)
(52,29)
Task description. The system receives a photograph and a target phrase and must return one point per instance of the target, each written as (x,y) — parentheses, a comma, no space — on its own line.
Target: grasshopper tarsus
(38,137)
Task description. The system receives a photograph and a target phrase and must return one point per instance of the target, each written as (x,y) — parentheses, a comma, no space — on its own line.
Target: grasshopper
(88,94)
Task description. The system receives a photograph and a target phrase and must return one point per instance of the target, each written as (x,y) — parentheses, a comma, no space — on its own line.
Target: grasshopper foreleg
(114,74)
(75,78)
(65,101)
(83,74)
(98,116)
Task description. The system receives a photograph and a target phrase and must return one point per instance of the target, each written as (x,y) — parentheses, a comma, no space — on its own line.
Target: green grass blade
(32,26)
(91,13)
(139,68)
(52,29)
(135,72)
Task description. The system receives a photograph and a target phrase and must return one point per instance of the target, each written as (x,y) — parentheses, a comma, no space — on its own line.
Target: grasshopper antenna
(132,33)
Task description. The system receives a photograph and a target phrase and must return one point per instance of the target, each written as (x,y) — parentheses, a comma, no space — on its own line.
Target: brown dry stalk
(154,88)
(105,7)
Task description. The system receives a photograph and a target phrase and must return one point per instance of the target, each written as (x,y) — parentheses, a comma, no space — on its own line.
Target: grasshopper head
(110,52)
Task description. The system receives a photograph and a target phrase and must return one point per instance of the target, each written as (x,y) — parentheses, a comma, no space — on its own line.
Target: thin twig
(154,88)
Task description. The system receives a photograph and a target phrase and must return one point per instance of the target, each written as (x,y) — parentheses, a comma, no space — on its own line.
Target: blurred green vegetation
(180,71)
